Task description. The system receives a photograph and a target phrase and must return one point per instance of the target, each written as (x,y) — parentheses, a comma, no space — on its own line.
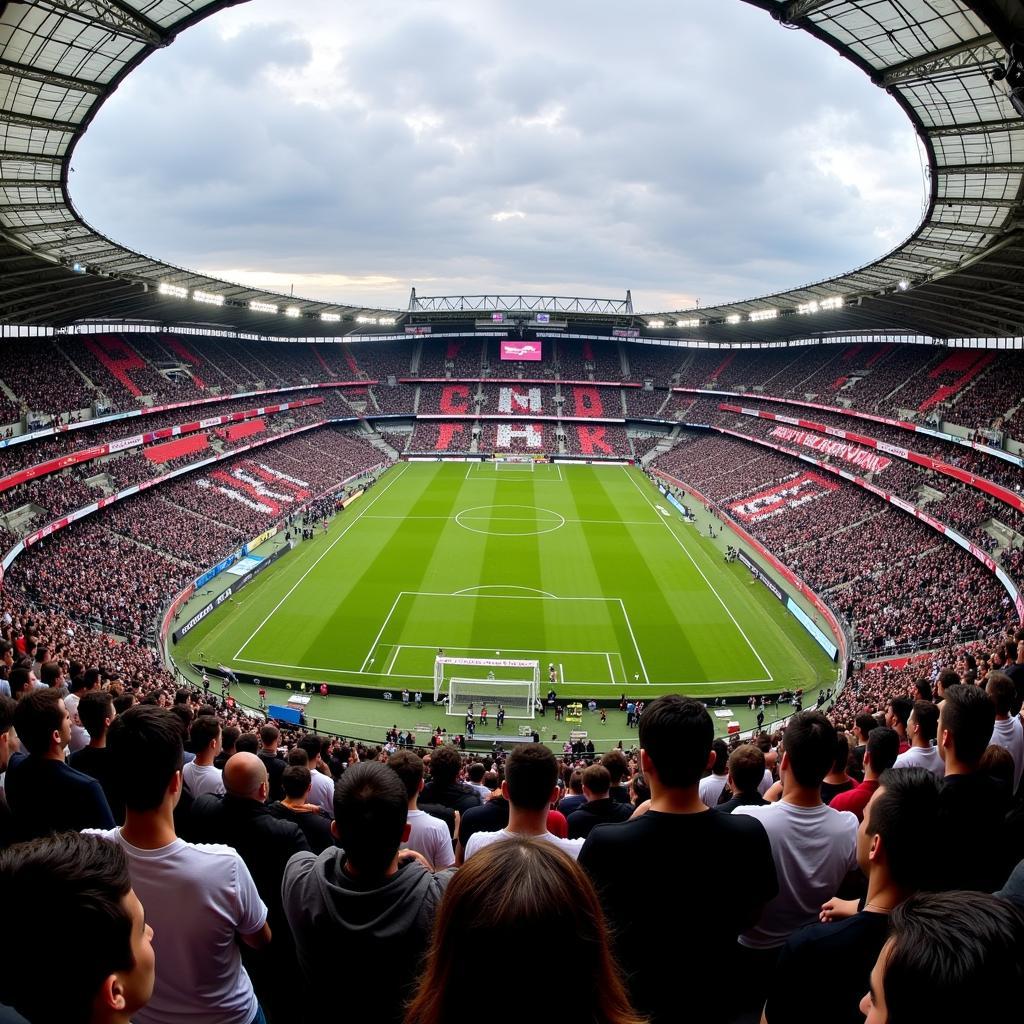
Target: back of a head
(476,773)
(18,679)
(247,743)
(926,718)
(531,773)
(409,768)
(295,781)
(370,806)
(229,737)
(80,881)
(954,957)
(905,813)
(50,673)
(298,756)
(746,765)
(311,745)
(513,896)
(968,715)
(36,718)
(841,762)
(1001,692)
(94,709)
(145,752)
(883,748)
(721,749)
(616,764)
(269,735)
(205,729)
(8,705)
(901,708)
(597,779)
(676,733)
(445,765)
(576,781)
(998,762)
(947,678)
(810,745)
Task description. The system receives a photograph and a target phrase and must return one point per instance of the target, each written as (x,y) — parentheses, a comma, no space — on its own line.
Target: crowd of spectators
(649,404)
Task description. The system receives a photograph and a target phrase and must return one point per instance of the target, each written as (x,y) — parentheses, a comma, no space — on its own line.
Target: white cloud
(356,149)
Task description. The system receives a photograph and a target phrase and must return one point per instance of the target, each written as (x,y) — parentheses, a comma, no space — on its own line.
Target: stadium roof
(961,274)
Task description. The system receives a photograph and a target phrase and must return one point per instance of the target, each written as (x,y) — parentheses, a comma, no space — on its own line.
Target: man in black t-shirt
(680,848)
(830,964)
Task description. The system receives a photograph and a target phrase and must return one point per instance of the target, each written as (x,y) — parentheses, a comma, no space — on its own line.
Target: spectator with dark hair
(513,896)
(879,755)
(200,777)
(746,773)
(228,738)
(862,726)
(676,734)
(945,679)
(813,846)
(96,712)
(444,787)
(830,964)
(45,794)
(714,785)
(270,738)
(838,778)
(8,746)
(311,820)
(321,784)
(249,743)
(475,780)
(199,899)
(366,908)
(922,728)
(1007,731)
(950,957)
(973,803)
(82,882)
(574,798)
(897,715)
(618,768)
(530,787)
(599,806)
(427,835)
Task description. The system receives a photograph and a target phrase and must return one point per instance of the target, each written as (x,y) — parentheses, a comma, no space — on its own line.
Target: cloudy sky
(687,149)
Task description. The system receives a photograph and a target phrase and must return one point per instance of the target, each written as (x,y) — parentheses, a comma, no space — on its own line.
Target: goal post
(514,683)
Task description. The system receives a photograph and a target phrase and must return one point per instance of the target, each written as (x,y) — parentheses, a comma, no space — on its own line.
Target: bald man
(241,819)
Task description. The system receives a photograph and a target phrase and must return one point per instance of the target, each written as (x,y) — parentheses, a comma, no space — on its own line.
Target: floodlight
(836,302)
(330,318)
(687,323)
(904,285)
(262,307)
(293,311)
(807,307)
(388,321)
(366,319)
(656,323)
(172,290)
(734,319)
(208,298)
(763,314)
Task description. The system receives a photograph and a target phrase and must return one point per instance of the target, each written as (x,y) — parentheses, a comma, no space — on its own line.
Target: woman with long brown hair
(526,899)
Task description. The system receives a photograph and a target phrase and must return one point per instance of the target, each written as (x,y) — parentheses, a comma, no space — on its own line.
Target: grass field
(586,568)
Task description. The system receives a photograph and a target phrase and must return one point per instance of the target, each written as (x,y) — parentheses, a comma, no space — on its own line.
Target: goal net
(513,683)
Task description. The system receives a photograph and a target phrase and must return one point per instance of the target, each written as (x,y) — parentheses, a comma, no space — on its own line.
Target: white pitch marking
(675,537)
(636,646)
(321,557)
(373,646)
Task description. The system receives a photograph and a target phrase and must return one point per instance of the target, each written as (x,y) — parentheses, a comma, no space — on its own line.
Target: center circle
(509,520)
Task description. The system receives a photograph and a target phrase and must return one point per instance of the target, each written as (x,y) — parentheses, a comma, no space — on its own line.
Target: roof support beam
(1005,204)
(28,121)
(50,77)
(53,225)
(7,209)
(1011,168)
(11,156)
(1013,124)
(27,183)
(112,15)
(973,52)
(798,9)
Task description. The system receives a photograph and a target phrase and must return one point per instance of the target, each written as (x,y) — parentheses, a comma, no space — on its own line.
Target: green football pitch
(585,568)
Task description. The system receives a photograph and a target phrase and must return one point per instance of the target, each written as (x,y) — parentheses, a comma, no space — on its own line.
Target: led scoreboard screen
(521,351)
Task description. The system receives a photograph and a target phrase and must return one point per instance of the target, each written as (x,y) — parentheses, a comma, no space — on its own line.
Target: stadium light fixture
(330,318)
(687,323)
(173,290)
(763,314)
(656,324)
(904,285)
(293,311)
(836,302)
(735,318)
(807,307)
(366,319)
(262,307)
(208,298)
(387,321)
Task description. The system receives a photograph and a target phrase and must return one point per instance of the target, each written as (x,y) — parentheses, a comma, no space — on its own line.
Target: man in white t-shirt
(712,786)
(199,777)
(1007,731)
(813,846)
(427,835)
(922,728)
(321,790)
(530,787)
(200,899)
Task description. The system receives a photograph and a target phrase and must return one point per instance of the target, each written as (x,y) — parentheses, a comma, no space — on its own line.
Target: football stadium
(340,636)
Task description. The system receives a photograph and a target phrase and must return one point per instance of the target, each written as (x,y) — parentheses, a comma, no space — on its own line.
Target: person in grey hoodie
(362,912)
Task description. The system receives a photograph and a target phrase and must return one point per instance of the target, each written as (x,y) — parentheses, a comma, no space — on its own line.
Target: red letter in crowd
(587,402)
(592,439)
(446,433)
(455,399)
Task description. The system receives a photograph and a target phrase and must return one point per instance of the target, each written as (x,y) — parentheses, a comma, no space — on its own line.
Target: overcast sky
(687,149)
